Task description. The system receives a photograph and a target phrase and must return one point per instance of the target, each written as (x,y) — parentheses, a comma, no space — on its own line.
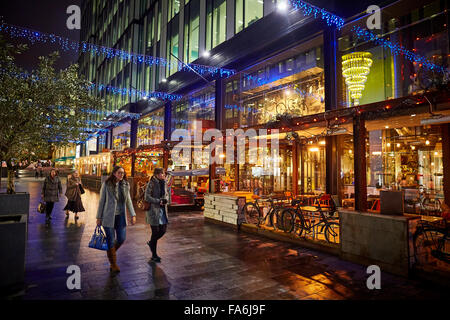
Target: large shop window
(371,73)
(151,128)
(216,21)
(195,110)
(247,12)
(197,106)
(291,85)
(403,155)
(191,31)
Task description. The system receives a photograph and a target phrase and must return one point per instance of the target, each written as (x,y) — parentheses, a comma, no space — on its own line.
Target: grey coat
(152,195)
(108,203)
(51,189)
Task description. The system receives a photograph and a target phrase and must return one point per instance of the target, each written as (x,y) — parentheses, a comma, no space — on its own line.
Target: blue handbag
(98,240)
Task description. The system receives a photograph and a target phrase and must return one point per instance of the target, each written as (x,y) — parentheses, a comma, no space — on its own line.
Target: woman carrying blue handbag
(111,214)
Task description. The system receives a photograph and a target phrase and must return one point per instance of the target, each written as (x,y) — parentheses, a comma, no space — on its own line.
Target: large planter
(14,210)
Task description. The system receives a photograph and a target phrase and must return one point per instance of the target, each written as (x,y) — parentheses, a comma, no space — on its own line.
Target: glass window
(277,88)
(172,48)
(159,25)
(198,106)
(174,8)
(371,73)
(408,158)
(150,30)
(216,23)
(191,31)
(239,16)
(247,12)
(151,128)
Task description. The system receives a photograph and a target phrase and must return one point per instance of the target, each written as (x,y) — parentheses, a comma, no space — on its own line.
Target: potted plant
(39,110)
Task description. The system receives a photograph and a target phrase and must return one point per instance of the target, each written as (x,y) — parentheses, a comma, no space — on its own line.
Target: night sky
(41,15)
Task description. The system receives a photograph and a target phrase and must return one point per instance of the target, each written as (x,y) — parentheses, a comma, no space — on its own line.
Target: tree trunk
(11,189)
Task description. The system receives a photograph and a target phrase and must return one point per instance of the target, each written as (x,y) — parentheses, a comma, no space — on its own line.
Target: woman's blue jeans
(119,230)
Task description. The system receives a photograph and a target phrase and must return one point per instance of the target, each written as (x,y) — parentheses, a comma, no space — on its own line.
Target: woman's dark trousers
(157,233)
(48,209)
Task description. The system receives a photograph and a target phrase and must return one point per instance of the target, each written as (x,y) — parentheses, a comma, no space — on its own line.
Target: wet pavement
(200,260)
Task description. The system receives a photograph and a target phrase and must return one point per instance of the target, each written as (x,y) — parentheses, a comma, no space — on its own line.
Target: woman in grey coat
(111,214)
(157,194)
(50,193)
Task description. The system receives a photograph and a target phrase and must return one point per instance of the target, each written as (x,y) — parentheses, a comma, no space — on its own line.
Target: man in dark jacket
(50,193)
(156,194)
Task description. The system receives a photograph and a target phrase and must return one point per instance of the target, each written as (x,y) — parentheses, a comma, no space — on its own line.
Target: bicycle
(296,221)
(254,213)
(431,241)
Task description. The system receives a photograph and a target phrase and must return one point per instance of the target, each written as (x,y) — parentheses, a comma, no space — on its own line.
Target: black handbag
(81,189)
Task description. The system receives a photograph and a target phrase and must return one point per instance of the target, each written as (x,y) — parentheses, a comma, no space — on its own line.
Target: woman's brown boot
(111,253)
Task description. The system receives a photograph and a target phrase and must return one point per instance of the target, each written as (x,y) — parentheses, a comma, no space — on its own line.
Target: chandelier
(355,68)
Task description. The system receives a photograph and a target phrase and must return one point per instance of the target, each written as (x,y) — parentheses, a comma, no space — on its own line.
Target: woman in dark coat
(157,195)
(50,193)
(73,195)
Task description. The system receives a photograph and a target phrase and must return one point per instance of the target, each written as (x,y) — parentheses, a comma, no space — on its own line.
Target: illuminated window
(216,23)
(191,31)
(174,8)
(247,12)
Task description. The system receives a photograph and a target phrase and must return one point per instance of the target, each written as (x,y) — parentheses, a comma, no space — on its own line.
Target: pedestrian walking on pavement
(111,214)
(73,194)
(50,193)
(36,171)
(157,194)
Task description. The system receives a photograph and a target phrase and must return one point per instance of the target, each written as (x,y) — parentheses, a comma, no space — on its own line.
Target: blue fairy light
(84,47)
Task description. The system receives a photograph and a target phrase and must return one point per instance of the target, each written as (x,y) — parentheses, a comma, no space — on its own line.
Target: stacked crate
(221,207)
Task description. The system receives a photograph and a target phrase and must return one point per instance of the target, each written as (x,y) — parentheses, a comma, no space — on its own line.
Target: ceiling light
(282,6)
(206,54)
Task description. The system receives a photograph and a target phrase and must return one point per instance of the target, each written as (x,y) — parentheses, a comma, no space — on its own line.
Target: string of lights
(110,53)
(397,49)
(113,90)
(113,114)
(308,9)
(134,92)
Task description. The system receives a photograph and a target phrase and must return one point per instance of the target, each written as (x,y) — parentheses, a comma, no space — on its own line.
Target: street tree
(40,109)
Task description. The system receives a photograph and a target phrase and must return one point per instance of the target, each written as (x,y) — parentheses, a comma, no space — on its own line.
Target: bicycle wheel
(428,246)
(251,214)
(276,221)
(332,232)
(287,220)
